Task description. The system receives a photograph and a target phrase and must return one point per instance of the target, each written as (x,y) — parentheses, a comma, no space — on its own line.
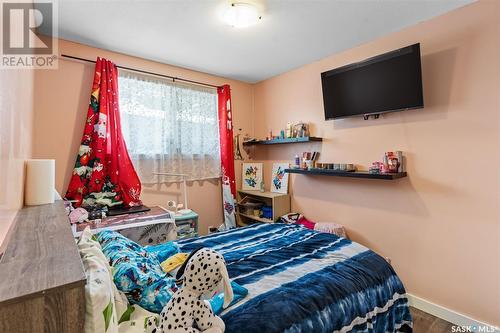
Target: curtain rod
(173,78)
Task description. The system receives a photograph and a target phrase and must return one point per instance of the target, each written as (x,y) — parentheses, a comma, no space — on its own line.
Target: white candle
(40,182)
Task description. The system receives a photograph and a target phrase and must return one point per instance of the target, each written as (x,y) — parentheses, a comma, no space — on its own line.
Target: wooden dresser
(42,281)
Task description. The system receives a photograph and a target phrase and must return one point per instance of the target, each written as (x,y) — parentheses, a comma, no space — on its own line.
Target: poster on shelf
(279,178)
(251,176)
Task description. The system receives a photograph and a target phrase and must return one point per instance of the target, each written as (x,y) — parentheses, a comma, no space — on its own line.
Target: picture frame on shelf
(279,178)
(251,176)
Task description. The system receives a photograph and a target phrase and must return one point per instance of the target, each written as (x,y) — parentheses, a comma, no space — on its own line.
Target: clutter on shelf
(393,162)
(292,133)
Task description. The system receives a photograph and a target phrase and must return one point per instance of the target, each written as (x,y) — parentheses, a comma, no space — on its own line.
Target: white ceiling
(189,33)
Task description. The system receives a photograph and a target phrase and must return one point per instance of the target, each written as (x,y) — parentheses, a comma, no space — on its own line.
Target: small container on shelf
(309,164)
(267,212)
(297,162)
(289,130)
(375,168)
(248,206)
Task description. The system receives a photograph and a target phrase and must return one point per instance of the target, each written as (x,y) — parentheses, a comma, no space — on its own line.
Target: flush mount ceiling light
(241,15)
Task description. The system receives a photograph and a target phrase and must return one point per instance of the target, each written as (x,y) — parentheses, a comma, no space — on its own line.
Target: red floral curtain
(226,154)
(103,172)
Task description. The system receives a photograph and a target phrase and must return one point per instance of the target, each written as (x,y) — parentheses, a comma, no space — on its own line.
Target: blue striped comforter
(300,280)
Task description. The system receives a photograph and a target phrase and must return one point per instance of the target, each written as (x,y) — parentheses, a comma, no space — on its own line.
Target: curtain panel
(103,173)
(227,156)
(169,127)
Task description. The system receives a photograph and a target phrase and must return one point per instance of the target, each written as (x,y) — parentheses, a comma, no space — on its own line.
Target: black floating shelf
(282,141)
(353,174)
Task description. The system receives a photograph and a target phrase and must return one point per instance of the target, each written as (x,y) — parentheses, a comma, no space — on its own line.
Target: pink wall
(441,225)
(61,100)
(16,113)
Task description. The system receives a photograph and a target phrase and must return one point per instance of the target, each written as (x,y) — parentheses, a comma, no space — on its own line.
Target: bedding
(100,292)
(137,271)
(106,308)
(301,280)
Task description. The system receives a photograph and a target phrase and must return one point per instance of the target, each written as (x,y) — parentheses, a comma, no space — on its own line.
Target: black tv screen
(385,83)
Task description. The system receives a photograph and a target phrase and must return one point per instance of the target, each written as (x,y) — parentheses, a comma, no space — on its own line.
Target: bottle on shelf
(297,162)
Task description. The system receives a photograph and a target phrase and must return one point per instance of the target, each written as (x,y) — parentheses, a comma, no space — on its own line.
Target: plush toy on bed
(201,274)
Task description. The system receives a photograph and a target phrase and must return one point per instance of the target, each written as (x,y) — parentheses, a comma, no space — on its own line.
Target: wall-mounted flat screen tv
(385,83)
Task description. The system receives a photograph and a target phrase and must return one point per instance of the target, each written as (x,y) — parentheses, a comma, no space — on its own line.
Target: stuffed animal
(186,312)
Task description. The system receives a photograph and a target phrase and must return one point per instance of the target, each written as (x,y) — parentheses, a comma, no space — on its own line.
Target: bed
(300,280)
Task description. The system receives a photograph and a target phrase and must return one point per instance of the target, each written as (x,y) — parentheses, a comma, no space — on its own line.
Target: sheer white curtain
(169,127)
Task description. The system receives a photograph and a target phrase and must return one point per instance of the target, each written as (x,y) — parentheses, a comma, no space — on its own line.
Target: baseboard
(449,315)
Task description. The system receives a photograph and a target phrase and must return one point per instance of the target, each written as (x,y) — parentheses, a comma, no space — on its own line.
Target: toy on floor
(186,312)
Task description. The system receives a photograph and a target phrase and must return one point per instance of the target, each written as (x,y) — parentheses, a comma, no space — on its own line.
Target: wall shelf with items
(283,141)
(354,174)
(279,202)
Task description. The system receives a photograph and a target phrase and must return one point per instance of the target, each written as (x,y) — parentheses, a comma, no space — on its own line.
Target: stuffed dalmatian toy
(186,312)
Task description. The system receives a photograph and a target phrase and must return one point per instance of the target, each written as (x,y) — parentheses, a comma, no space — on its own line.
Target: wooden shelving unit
(256,218)
(355,174)
(283,141)
(278,201)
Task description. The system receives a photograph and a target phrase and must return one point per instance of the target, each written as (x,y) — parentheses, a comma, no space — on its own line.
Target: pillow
(171,264)
(103,301)
(163,251)
(137,272)
(135,320)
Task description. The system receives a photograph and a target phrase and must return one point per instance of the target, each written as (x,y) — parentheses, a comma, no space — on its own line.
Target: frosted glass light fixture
(241,15)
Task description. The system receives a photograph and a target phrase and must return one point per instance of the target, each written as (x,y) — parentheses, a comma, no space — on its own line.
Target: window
(169,127)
